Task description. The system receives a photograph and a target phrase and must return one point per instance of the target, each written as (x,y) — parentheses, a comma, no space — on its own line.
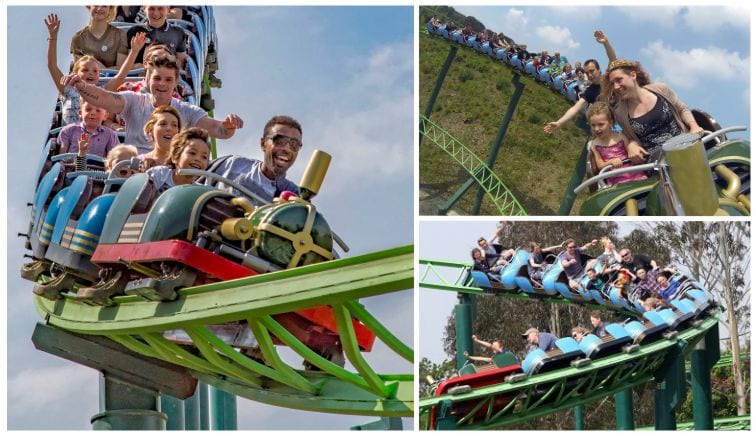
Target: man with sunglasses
(280,144)
(633,262)
(572,260)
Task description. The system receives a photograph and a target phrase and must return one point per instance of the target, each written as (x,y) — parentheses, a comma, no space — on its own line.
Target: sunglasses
(571,246)
(282,140)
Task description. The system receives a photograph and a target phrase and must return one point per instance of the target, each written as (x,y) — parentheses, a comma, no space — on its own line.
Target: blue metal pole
(174,408)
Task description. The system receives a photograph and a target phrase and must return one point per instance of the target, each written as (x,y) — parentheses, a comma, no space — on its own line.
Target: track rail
(140,325)
(497,192)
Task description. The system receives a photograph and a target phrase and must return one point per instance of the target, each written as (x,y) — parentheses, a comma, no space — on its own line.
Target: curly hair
(627,67)
(598,108)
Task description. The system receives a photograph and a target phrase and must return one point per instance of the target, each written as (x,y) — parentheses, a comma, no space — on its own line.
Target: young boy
(99,139)
(595,281)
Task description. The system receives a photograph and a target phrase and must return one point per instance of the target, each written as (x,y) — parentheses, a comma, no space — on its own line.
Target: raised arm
(53,25)
(137,42)
(477,358)
(110,101)
(481,342)
(221,129)
(602,39)
(589,244)
(570,114)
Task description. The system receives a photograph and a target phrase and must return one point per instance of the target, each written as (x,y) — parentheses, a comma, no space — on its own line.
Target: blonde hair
(110,158)
(86,58)
(598,108)
(112,12)
(162,109)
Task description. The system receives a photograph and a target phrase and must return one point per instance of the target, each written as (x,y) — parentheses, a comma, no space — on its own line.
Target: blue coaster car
(509,273)
(539,361)
(650,330)
(595,348)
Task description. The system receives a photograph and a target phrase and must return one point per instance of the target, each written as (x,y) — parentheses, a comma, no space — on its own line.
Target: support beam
(702,360)
(623,401)
(117,361)
(192,411)
(577,414)
(124,406)
(671,390)
(463,316)
(222,409)
(439,82)
(496,145)
(174,409)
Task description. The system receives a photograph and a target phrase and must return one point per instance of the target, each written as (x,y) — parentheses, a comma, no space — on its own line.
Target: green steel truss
(139,325)
(499,194)
(509,403)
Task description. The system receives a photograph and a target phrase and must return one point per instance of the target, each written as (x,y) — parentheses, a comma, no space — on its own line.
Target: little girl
(87,67)
(189,149)
(163,125)
(608,147)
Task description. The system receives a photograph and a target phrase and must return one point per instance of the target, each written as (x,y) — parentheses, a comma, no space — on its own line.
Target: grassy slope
(535,166)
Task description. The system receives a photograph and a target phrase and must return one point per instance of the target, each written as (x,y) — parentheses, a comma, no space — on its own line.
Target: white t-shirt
(137,109)
(162,177)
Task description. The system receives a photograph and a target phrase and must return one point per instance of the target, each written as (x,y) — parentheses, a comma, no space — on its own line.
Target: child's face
(89,72)
(591,274)
(581,74)
(662,281)
(165,128)
(118,156)
(600,125)
(195,155)
(92,115)
(641,273)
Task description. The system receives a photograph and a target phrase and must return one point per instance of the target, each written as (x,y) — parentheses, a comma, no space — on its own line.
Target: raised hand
(551,127)
(600,37)
(53,25)
(138,41)
(84,141)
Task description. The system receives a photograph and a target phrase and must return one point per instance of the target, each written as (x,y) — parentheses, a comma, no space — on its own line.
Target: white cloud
(559,38)
(585,14)
(661,16)
(711,19)
(47,392)
(515,25)
(388,68)
(688,69)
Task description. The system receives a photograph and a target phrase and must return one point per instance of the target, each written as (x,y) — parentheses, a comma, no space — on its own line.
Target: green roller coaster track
(509,403)
(497,192)
(139,326)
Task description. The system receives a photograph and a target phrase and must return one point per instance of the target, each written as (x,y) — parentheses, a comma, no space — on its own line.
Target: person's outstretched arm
(53,25)
(110,101)
(570,114)
(137,42)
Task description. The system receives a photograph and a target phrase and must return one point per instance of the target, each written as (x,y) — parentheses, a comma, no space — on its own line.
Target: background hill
(535,166)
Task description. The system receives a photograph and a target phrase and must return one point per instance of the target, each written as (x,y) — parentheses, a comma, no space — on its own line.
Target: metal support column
(439,82)
(500,136)
(222,409)
(623,402)
(174,409)
(671,390)
(702,360)
(577,176)
(192,411)
(463,316)
(577,414)
(204,406)
(445,420)
(124,406)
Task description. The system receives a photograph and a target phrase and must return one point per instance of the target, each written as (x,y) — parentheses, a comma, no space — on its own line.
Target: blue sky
(353,93)
(702,52)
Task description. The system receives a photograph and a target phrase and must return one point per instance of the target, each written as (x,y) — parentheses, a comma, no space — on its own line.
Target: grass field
(474,97)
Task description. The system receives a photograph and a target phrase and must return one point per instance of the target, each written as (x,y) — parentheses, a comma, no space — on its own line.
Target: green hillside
(535,166)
